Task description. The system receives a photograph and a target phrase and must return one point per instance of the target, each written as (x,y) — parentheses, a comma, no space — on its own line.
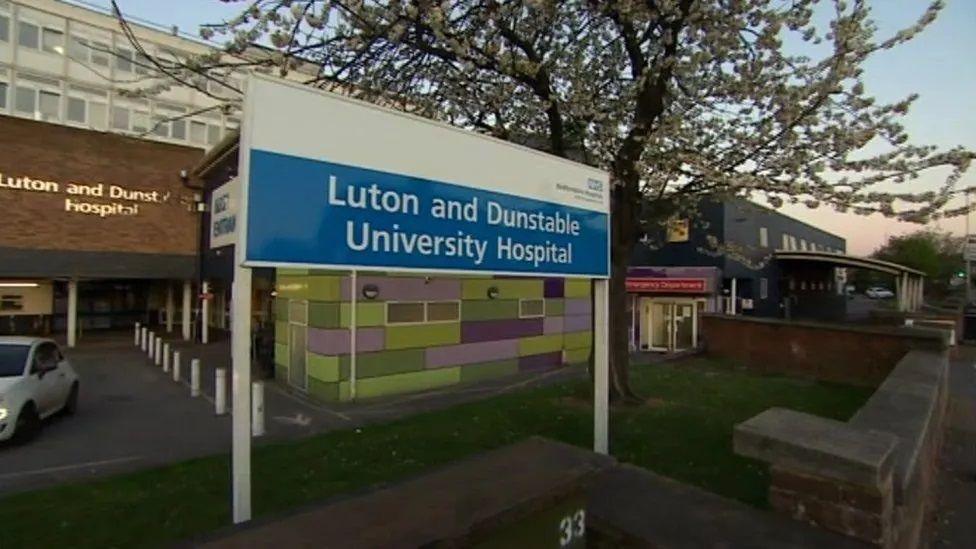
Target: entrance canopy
(909,283)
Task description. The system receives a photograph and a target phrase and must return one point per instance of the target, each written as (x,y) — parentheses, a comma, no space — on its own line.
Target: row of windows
(417,312)
(790,243)
(46,99)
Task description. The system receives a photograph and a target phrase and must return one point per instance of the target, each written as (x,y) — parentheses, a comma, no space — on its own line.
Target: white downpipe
(195,377)
(205,313)
(257,409)
(187,295)
(601,367)
(354,294)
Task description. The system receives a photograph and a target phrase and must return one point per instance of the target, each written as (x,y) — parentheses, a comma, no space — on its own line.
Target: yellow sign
(678,230)
(122,200)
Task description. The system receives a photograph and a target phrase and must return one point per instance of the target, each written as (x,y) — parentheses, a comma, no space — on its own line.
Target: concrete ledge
(815,445)
(936,337)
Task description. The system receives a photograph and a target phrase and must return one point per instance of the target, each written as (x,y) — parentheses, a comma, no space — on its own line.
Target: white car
(878,292)
(36,381)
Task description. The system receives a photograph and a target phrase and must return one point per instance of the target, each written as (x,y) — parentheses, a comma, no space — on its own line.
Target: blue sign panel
(313,212)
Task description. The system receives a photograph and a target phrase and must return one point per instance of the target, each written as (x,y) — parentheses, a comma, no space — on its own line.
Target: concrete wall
(828,352)
(489,340)
(870,478)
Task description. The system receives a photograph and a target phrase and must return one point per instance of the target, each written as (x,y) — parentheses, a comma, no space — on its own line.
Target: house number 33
(572,528)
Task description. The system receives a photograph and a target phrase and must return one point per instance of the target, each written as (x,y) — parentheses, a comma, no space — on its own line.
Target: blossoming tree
(675,98)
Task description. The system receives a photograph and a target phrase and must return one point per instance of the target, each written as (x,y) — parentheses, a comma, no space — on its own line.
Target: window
(160,126)
(178,129)
(532,308)
(77,110)
(793,242)
(4,28)
(3,95)
(28,35)
(53,41)
(142,65)
(49,105)
(99,53)
(803,245)
(414,312)
(97,115)
(78,49)
(763,237)
(12,302)
(298,312)
(213,134)
(763,288)
(401,313)
(120,118)
(140,121)
(198,132)
(123,60)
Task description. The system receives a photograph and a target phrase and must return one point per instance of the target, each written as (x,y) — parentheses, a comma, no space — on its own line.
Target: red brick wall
(843,354)
(48,152)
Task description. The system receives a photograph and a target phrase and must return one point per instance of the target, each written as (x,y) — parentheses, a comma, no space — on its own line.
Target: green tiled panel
(577,287)
(576,356)
(422,335)
(367,314)
(555,306)
(285,271)
(323,288)
(327,272)
(540,344)
(281,332)
(489,309)
(281,308)
(384,363)
(290,286)
(330,392)
(405,383)
(488,370)
(323,368)
(323,315)
(578,340)
(507,288)
(281,354)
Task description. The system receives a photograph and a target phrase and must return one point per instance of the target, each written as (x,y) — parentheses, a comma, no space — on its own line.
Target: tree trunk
(623,229)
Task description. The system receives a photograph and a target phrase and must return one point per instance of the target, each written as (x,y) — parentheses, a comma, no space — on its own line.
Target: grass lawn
(684,431)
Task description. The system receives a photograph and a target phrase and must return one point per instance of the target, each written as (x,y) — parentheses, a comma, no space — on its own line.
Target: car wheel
(28,424)
(71,403)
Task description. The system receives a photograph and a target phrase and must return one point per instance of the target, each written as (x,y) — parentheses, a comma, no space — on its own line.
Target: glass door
(297,334)
(684,325)
(661,325)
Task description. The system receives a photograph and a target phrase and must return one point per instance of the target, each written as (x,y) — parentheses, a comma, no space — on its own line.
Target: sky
(938,65)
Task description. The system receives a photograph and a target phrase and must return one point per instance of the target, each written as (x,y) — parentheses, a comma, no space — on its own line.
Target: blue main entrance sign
(337,183)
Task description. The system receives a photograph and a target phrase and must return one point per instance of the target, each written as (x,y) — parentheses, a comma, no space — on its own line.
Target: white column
(170,307)
(205,313)
(72,312)
(601,367)
(899,292)
(240,337)
(921,291)
(732,298)
(187,295)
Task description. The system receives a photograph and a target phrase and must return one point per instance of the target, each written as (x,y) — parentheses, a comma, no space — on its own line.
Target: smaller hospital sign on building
(669,285)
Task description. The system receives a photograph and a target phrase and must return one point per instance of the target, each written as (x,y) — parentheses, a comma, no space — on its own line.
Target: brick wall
(828,352)
(164,224)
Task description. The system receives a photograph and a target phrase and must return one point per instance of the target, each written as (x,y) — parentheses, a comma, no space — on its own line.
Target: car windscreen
(13,358)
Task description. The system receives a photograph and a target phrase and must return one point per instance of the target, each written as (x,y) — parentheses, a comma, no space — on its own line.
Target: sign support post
(241,393)
(601,367)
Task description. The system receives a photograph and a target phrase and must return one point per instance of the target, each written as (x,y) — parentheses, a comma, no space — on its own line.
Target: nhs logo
(594,185)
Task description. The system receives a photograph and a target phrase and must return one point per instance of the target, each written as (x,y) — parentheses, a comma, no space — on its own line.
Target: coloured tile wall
(488,340)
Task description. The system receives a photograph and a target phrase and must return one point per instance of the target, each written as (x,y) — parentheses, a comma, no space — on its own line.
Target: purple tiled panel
(554,287)
(577,323)
(493,330)
(336,342)
(553,325)
(397,288)
(470,353)
(578,306)
(540,362)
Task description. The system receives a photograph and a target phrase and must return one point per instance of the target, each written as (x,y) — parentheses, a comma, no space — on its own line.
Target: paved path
(955,516)
(133,416)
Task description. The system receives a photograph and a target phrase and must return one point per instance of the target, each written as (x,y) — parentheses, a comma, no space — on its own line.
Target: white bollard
(176,366)
(145,338)
(165,357)
(152,345)
(159,350)
(220,391)
(135,340)
(257,409)
(195,377)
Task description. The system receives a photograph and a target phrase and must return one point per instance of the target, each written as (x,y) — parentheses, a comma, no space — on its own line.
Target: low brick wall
(857,355)
(871,477)
(952,322)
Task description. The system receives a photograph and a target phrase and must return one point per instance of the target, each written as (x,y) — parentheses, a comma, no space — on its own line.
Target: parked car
(877,292)
(36,381)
